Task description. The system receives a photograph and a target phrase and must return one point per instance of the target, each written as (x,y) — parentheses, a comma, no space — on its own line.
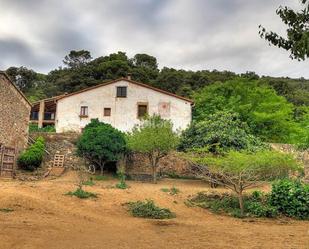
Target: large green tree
(154,138)
(268,115)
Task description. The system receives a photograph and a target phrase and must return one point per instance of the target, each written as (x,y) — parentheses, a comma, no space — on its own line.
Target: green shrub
(291,198)
(148,209)
(256,204)
(82,194)
(32,157)
(101,143)
(220,132)
(35,128)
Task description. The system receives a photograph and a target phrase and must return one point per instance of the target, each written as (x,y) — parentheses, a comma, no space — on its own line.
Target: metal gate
(7,161)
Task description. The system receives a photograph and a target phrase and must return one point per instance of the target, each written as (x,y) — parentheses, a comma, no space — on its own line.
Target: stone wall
(14,115)
(171,165)
(60,143)
(302,156)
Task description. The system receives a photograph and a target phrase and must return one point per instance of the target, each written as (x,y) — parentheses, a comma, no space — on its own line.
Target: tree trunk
(241,203)
(154,174)
(102,168)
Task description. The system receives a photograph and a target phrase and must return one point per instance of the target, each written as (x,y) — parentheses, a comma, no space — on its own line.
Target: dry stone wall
(14,115)
(60,143)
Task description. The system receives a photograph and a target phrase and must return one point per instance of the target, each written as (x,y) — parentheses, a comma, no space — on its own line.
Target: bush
(35,128)
(82,194)
(148,209)
(101,143)
(291,198)
(256,204)
(32,157)
(221,131)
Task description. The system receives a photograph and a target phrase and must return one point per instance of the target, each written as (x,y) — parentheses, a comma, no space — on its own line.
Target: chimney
(129,76)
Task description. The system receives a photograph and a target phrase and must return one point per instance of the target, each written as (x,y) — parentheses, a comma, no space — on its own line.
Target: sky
(184,34)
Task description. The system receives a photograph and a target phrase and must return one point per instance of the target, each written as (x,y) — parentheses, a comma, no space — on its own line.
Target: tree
(145,60)
(23,77)
(297,40)
(155,138)
(268,115)
(241,170)
(219,132)
(101,143)
(76,59)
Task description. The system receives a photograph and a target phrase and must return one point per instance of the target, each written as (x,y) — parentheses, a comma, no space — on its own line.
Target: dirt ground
(45,218)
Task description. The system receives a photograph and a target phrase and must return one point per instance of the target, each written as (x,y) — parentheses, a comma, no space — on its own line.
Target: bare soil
(43,217)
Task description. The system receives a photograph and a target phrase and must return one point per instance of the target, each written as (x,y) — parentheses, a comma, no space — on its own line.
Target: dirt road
(45,218)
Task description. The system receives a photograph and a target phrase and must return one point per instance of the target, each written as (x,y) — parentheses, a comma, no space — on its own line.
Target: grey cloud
(190,34)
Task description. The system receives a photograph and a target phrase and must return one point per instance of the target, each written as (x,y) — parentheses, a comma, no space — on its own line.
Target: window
(107,112)
(142,110)
(121,91)
(84,111)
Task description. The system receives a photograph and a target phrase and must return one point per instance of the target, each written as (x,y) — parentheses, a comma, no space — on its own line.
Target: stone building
(14,115)
(121,103)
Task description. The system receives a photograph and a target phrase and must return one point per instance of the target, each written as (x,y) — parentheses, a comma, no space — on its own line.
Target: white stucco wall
(123,110)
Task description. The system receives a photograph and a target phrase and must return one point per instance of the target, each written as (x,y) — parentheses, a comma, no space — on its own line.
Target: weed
(6,210)
(89,183)
(148,209)
(82,194)
(100,178)
(171,191)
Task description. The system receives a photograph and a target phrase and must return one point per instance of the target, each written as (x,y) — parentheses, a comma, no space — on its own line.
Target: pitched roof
(130,81)
(19,91)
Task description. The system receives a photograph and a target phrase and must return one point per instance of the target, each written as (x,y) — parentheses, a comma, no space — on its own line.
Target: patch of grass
(172,191)
(122,185)
(148,209)
(89,183)
(176,176)
(82,194)
(6,210)
(100,178)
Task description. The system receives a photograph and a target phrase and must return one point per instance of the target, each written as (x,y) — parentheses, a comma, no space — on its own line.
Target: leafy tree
(145,60)
(23,77)
(155,138)
(76,59)
(268,115)
(220,132)
(101,143)
(297,39)
(239,171)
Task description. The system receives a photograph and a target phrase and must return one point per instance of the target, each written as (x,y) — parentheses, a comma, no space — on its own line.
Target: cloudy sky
(189,34)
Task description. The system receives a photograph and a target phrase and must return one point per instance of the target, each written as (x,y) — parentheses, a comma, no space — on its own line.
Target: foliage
(148,209)
(226,203)
(32,157)
(240,170)
(82,194)
(35,128)
(291,198)
(89,182)
(122,184)
(6,210)
(155,138)
(220,132)
(297,31)
(172,191)
(268,115)
(101,143)
(100,178)
(76,59)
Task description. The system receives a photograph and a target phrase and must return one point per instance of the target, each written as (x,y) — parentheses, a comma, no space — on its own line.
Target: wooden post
(41,114)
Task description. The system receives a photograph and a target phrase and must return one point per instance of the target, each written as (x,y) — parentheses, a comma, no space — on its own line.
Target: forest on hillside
(274,109)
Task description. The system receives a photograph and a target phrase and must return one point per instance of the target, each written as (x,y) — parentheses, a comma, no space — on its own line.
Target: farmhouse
(14,118)
(121,103)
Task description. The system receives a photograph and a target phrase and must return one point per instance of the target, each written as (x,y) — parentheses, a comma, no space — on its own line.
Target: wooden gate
(7,161)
